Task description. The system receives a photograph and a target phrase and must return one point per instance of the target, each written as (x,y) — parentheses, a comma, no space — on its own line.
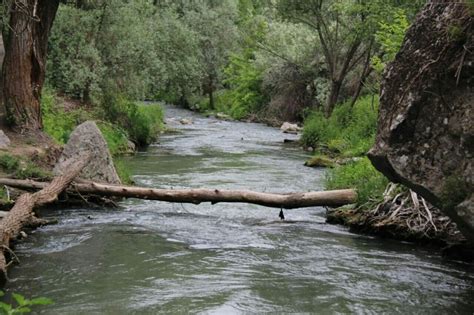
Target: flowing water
(153,257)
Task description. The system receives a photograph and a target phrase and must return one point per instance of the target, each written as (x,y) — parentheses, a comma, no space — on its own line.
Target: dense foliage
(312,61)
(246,58)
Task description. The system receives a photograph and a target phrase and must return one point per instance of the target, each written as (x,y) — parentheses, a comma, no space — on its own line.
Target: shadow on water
(151,257)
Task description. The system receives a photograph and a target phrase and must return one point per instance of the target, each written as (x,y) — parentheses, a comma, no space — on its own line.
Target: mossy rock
(320,161)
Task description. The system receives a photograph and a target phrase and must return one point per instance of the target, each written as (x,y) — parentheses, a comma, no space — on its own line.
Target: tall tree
(23,71)
(345,29)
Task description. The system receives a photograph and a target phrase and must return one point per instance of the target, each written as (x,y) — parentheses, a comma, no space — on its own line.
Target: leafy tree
(215,24)
(345,30)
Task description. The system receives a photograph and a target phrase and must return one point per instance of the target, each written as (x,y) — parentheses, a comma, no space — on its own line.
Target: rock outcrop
(425,137)
(87,137)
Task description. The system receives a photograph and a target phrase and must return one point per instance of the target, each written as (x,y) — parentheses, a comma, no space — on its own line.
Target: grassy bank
(348,133)
(124,124)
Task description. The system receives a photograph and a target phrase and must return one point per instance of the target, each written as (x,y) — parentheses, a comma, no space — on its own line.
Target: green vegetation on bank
(21,168)
(21,305)
(121,121)
(350,131)
(361,175)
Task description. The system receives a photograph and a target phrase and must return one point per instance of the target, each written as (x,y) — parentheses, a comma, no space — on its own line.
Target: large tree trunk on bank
(332,198)
(24,65)
(22,215)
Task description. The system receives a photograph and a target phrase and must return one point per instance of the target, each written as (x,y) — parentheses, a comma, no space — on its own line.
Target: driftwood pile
(402,214)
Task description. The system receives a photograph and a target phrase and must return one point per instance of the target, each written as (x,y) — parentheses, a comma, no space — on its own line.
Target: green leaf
(40,301)
(20,299)
(5,307)
(22,310)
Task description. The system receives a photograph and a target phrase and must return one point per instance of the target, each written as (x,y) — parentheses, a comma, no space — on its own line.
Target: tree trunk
(25,61)
(22,214)
(333,97)
(363,77)
(211,97)
(332,198)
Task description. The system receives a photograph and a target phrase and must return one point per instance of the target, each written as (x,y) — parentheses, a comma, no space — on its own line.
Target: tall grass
(360,175)
(348,132)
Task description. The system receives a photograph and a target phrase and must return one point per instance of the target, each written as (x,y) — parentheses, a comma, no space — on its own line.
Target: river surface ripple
(154,257)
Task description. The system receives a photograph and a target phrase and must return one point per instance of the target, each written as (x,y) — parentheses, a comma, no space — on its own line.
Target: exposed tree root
(402,214)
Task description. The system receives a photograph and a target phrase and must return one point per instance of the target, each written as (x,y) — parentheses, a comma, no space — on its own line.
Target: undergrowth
(348,132)
(22,169)
(361,175)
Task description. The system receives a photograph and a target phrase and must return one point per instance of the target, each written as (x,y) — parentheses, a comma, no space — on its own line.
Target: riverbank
(383,209)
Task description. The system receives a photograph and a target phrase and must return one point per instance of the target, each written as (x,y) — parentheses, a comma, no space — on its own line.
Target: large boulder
(88,138)
(425,136)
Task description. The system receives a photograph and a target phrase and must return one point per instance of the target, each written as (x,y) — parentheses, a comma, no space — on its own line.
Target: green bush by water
(361,175)
(142,122)
(348,132)
(23,305)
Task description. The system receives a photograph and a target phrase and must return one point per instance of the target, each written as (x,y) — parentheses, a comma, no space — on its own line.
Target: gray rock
(290,128)
(185,121)
(88,138)
(4,140)
(425,136)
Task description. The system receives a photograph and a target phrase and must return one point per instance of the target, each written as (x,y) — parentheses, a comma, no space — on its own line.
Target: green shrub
(245,95)
(115,137)
(58,123)
(9,162)
(147,123)
(22,169)
(349,131)
(314,130)
(142,122)
(23,306)
(361,175)
(123,171)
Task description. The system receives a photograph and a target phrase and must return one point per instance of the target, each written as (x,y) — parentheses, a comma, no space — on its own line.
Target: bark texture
(332,198)
(24,64)
(22,214)
(425,136)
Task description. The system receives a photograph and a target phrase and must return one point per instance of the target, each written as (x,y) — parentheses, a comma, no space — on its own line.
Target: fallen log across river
(330,198)
(22,215)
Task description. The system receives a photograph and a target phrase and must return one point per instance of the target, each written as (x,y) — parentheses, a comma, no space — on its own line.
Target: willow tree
(26,34)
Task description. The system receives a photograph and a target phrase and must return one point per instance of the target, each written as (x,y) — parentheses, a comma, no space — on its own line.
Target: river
(153,257)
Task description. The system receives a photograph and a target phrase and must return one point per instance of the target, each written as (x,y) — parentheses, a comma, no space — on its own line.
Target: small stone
(185,121)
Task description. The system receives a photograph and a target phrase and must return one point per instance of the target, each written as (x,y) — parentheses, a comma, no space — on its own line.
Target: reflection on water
(152,257)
